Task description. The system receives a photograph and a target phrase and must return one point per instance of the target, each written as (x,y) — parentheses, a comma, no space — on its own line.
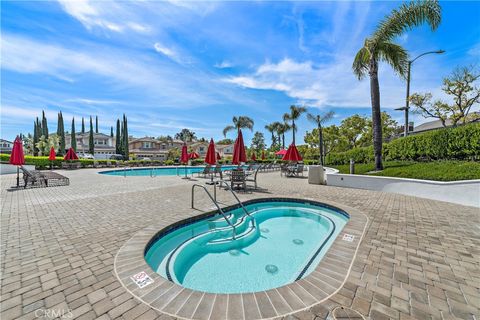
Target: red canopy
(184,157)
(239,154)
(281,152)
(193,155)
(71,155)
(263,155)
(211,157)
(254,156)
(218,156)
(17,158)
(51,157)
(292,154)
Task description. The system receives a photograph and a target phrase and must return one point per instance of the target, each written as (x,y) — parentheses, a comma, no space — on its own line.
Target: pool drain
(271,268)
(234,252)
(265,230)
(297,241)
(344,313)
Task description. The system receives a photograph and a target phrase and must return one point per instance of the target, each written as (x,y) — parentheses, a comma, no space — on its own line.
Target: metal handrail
(238,200)
(216,204)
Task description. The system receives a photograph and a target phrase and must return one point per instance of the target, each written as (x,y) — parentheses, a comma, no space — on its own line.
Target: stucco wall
(461,192)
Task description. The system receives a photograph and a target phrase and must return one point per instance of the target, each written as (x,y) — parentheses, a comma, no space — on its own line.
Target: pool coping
(174,300)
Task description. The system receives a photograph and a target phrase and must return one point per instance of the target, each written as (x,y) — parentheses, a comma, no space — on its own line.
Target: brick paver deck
(419,259)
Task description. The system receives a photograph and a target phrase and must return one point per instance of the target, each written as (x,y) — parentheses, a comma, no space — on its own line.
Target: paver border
(174,300)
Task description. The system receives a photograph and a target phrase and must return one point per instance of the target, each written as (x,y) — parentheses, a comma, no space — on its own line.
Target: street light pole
(407,100)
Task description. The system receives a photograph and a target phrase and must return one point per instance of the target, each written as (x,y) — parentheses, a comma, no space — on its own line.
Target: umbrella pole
(18,177)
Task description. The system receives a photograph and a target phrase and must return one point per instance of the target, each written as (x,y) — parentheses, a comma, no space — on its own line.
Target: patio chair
(207,171)
(238,179)
(218,169)
(43,179)
(294,170)
(253,178)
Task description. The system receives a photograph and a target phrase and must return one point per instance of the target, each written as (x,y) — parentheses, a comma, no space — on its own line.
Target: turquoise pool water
(158,171)
(285,243)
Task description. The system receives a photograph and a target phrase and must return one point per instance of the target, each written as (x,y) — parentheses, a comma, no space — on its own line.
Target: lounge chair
(207,171)
(238,179)
(218,169)
(43,179)
(295,170)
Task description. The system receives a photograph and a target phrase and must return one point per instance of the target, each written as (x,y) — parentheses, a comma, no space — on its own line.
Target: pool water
(285,243)
(159,171)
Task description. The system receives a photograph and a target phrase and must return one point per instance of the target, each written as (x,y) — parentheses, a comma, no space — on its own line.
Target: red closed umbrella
(211,157)
(281,152)
(51,157)
(292,154)
(16,157)
(71,155)
(218,156)
(254,156)
(184,159)
(193,155)
(263,155)
(239,154)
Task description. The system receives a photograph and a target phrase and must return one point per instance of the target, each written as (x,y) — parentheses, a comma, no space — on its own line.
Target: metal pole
(407,101)
(352,166)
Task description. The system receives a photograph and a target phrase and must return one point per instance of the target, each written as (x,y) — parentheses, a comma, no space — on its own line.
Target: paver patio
(419,259)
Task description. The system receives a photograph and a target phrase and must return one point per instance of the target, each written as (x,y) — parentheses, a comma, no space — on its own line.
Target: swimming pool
(282,241)
(158,171)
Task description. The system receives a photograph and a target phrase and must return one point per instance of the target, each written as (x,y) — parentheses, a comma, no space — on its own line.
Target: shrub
(459,143)
(43,162)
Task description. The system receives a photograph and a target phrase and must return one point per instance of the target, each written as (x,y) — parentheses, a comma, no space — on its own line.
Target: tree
(186,135)
(353,128)
(295,113)
(126,152)
(258,141)
(278,129)
(111,131)
(271,128)
(462,86)
(225,141)
(83,126)
(166,138)
(96,124)
(319,120)
(241,122)
(35,137)
(281,129)
(389,130)
(333,140)
(61,134)
(44,125)
(73,139)
(91,146)
(44,144)
(380,47)
(118,143)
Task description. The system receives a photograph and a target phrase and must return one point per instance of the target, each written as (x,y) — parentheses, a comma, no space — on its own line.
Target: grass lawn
(434,170)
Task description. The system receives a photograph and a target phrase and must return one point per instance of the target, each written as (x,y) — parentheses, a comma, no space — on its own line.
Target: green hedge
(460,143)
(44,163)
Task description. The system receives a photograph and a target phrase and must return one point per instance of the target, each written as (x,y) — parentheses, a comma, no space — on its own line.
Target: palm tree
(295,113)
(319,120)
(380,47)
(240,122)
(271,128)
(283,128)
(278,130)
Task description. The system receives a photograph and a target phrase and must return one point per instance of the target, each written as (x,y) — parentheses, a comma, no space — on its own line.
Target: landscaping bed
(433,170)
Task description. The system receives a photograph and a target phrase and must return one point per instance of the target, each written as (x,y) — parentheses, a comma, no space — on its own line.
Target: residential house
(225,150)
(103,143)
(148,147)
(6,146)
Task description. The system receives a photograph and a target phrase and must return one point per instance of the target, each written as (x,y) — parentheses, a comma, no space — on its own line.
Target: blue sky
(170,65)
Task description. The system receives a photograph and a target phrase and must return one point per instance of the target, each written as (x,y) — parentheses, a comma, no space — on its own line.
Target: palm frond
(245,122)
(314,118)
(227,129)
(396,56)
(408,16)
(360,63)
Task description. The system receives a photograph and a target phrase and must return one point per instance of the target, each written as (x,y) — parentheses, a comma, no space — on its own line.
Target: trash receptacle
(316,175)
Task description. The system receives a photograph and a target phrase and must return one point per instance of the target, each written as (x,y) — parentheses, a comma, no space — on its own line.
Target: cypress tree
(83,125)
(111,131)
(96,124)
(122,138)
(125,136)
(91,147)
(35,137)
(61,134)
(117,139)
(73,139)
(44,125)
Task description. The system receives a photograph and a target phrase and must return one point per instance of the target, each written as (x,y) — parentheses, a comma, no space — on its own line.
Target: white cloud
(321,85)
(166,51)
(223,65)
